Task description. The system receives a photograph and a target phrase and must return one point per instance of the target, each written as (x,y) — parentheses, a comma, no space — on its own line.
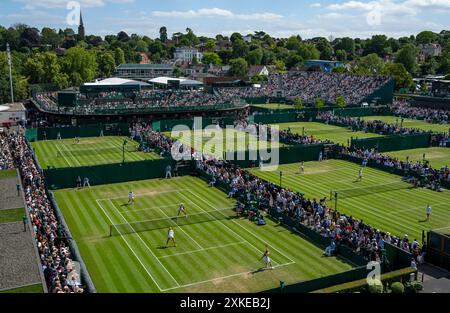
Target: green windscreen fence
(285,155)
(393,143)
(438,252)
(90,130)
(168,125)
(59,178)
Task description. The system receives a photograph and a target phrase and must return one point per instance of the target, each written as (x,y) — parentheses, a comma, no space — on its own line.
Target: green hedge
(59,178)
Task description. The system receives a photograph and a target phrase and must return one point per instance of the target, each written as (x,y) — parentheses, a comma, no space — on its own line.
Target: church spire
(81,32)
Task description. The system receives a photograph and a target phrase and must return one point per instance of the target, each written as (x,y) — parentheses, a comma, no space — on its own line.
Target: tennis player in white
(131,197)
(182,209)
(266,259)
(171,237)
(428,212)
(360,174)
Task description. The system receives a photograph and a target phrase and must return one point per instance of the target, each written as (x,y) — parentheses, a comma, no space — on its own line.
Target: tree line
(62,59)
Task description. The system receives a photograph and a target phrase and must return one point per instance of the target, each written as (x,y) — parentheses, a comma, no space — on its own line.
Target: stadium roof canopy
(183,81)
(115,81)
(113,84)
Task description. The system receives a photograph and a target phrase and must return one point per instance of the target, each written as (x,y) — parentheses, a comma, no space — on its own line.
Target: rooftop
(114,81)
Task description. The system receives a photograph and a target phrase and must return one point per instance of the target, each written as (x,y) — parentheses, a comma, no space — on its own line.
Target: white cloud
(315,5)
(217,13)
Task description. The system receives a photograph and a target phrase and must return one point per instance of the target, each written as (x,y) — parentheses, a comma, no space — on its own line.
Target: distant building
(247,38)
(12,114)
(143,71)
(431,49)
(81,31)
(257,70)
(187,54)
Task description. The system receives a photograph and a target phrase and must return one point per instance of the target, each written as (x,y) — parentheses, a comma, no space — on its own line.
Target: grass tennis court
(438,157)
(89,151)
(213,145)
(221,255)
(410,123)
(336,134)
(398,211)
(36,288)
(11,215)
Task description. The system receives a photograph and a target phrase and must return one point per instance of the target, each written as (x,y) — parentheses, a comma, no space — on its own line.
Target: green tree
(119,56)
(341,55)
(240,48)
(20,84)
(293,60)
(319,103)
(210,45)
(309,52)
(50,37)
(279,65)
(238,67)
(106,64)
(163,34)
(426,37)
(177,72)
(254,57)
(80,65)
(293,43)
(44,68)
(401,76)
(340,101)
(211,58)
(339,69)
(408,57)
(372,63)
(298,103)
(325,48)
(347,44)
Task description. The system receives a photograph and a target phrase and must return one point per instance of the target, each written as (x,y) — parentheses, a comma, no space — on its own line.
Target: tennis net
(166,222)
(368,190)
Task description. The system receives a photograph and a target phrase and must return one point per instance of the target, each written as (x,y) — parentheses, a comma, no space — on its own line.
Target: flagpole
(8,57)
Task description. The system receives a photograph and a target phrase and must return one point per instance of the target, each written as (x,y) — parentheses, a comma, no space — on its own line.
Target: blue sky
(280,18)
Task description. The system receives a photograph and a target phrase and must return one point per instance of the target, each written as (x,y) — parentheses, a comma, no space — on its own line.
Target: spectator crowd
(6,158)
(55,257)
(405,109)
(432,178)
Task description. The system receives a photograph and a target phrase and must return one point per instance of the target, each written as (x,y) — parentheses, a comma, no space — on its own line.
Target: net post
(110,230)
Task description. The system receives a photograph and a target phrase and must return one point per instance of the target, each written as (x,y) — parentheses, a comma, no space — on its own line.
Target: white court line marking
(129,247)
(153,193)
(175,224)
(57,147)
(416,208)
(245,229)
(440,228)
(156,207)
(204,249)
(242,238)
(145,244)
(223,277)
(72,155)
